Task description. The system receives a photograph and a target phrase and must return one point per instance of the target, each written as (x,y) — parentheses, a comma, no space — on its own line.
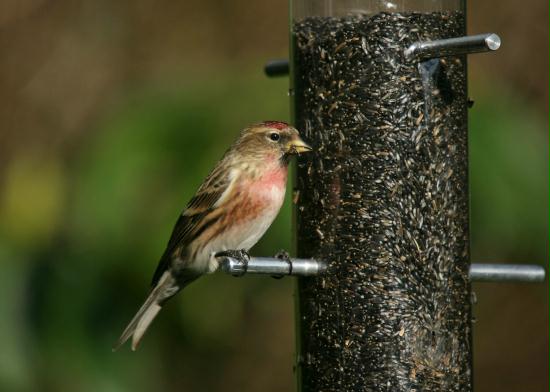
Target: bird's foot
(239,254)
(238,264)
(283,255)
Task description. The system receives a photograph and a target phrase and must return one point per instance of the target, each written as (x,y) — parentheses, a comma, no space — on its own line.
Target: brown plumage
(231,210)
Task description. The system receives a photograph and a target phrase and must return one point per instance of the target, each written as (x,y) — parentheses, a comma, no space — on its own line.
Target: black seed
(383,200)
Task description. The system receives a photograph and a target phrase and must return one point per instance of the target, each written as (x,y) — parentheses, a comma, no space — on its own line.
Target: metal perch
(308,267)
(420,50)
(452,46)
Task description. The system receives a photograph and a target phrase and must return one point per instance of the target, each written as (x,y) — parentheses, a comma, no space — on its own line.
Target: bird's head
(274,139)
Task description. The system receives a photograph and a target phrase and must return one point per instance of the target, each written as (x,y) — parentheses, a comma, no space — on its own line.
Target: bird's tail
(166,288)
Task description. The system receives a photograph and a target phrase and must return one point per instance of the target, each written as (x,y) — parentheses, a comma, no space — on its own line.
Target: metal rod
(310,267)
(452,46)
(419,50)
(271,266)
(507,273)
(275,68)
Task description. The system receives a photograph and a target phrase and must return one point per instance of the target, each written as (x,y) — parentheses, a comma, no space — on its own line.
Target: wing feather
(198,215)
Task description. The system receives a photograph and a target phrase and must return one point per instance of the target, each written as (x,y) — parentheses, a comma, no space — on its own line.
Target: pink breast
(261,196)
(270,187)
(274,178)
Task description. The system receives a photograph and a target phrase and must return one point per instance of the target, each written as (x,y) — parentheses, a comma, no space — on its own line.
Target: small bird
(231,210)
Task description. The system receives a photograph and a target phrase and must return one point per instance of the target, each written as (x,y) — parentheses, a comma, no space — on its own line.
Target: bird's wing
(198,215)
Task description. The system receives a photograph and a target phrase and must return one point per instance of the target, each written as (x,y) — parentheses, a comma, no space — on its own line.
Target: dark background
(111,114)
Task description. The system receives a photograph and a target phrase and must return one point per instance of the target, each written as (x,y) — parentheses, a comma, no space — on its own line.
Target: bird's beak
(298,146)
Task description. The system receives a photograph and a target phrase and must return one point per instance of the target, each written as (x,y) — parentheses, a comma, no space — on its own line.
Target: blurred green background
(111,113)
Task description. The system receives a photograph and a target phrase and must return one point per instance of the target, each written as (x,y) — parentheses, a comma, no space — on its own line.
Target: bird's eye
(274,136)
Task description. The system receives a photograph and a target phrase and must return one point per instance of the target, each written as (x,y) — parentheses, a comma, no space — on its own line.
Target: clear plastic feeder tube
(383,199)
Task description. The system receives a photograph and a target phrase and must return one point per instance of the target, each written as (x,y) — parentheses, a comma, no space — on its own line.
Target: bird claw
(239,254)
(239,261)
(283,255)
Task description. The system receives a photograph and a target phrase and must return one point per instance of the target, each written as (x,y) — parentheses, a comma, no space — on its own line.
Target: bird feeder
(383,200)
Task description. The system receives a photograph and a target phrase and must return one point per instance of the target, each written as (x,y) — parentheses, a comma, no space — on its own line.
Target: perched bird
(232,210)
